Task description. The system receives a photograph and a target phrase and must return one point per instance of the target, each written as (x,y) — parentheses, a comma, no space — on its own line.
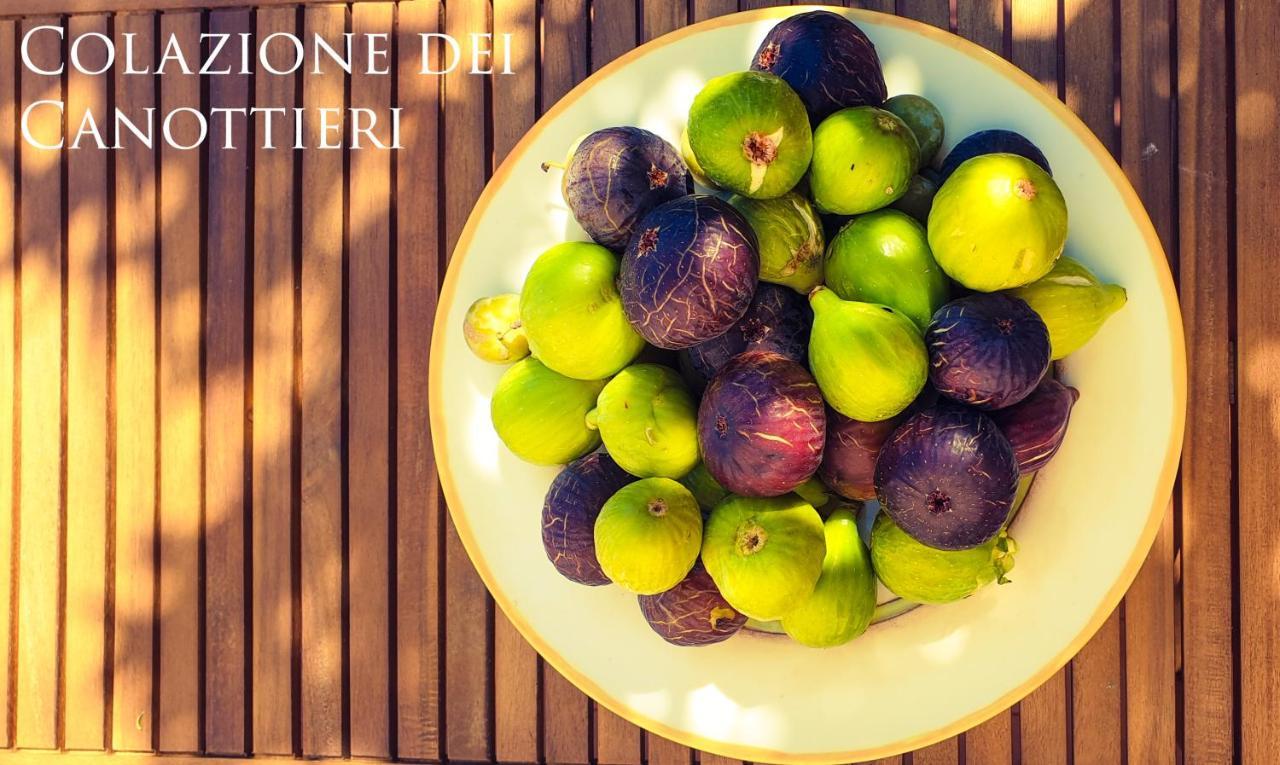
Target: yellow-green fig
(648,535)
(923,574)
(649,422)
(790,236)
(863,159)
(541,415)
(493,329)
(1073,303)
(573,314)
(869,360)
(844,600)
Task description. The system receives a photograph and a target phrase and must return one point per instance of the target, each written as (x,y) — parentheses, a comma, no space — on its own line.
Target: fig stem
(546,166)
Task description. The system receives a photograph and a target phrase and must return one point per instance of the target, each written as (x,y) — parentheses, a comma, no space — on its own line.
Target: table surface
(222,519)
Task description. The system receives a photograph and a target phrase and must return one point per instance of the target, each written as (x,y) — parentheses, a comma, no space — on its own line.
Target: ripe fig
(648,421)
(777,320)
(493,329)
(987,350)
(706,489)
(648,535)
(923,574)
(1073,302)
(1036,425)
(692,613)
(993,142)
(569,515)
(844,599)
(863,159)
(849,459)
(541,415)
(790,236)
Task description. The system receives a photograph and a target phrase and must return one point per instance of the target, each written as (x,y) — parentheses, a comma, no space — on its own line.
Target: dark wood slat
(1204,199)
(179,391)
(323,197)
(468,646)
(135,386)
(369,376)
(1034,26)
(982,21)
(934,12)
(418,505)
(8,273)
(40,255)
(226,491)
(706,9)
(88,325)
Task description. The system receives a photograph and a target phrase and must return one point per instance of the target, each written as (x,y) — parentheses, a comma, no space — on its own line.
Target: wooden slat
(226,490)
(369,330)
(1148,146)
(40,504)
(1204,198)
(941,753)
(1043,723)
(88,325)
(179,390)
(8,347)
(982,21)
(1034,26)
(323,197)
(468,692)
(273,285)
(991,742)
(706,9)
(135,386)
(418,519)
(1257,28)
(934,12)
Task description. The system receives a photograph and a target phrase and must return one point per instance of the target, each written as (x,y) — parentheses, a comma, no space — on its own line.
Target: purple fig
(569,515)
(987,350)
(693,612)
(1036,425)
(777,320)
(849,460)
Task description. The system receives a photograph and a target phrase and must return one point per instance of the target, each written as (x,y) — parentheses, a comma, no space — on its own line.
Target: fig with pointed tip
(765,554)
(648,421)
(616,175)
(761,425)
(826,59)
(692,613)
(493,329)
(777,320)
(569,515)
(869,360)
(863,159)
(1036,425)
(923,118)
(987,350)
(750,134)
(948,477)
(924,574)
(883,257)
(996,141)
(998,222)
(790,236)
(689,273)
(844,599)
(1073,302)
(849,459)
(573,314)
(648,535)
(541,415)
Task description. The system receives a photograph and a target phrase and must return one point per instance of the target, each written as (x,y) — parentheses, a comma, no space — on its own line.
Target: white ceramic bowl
(933,672)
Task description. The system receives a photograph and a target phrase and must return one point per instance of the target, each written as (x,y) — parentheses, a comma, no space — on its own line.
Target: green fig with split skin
(998,222)
(869,360)
(1073,303)
(648,535)
(493,329)
(764,553)
(648,421)
(749,133)
(541,415)
(573,315)
(923,574)
(883,257)
(863,159)
(790,236)
(844,600)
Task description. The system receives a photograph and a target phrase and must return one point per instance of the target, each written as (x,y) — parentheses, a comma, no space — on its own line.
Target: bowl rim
(1165,484)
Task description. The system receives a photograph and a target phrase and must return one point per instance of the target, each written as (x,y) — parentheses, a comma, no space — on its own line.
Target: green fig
(869,360)
(844,600)
(648,421)
(883,257)
(998,222)
(923,574)
(764,554)
(573,314)
(790,236)
(815,492)
(493,329)
(1073,304)
(863,158)
(706,489)
(648,535)
(690,161)
(541,415)
(923,118)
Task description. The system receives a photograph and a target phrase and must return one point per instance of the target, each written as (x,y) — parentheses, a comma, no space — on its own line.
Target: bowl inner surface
(925,675)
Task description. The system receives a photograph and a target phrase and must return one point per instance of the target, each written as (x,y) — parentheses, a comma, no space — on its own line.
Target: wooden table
(222,517)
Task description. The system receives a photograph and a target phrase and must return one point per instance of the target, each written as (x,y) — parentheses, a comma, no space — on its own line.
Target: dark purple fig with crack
(778,320)
(569,515)
(947,476)
(614,176)
(849,459)
(989,350)
(692,613)
(762,425)
(1036,425)
(826,59)
(689,272)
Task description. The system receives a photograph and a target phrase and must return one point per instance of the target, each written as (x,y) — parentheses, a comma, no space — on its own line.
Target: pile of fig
(814,386)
